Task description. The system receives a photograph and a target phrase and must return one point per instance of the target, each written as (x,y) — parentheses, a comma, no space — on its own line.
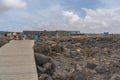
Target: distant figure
(9,36)
(20,36)
(36,38)
(5,35)
(24,36)
(57,35)
(15,36)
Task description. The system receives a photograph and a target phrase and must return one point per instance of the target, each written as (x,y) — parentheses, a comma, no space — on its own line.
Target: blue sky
(94,16)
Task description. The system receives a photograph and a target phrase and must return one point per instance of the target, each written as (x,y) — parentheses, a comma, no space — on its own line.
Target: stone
(79,76)
(78,50)
(91,65)
(47,66)
(50,68)
(40,69)
(41,59)
(45,77)
(3,42)
(93,71)
(101,52)
(115,77)
(101,69)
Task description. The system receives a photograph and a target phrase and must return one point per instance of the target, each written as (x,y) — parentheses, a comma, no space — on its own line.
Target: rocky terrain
(86,58)
(3,42)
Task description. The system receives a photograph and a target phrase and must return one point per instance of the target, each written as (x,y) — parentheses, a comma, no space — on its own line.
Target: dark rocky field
(3,42)
(86,58)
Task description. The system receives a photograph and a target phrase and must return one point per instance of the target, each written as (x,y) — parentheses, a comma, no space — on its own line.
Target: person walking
(15,36)
(9,36)
(5,35)
(24,36)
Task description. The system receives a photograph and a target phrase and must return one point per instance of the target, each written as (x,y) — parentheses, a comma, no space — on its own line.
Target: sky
(89,16)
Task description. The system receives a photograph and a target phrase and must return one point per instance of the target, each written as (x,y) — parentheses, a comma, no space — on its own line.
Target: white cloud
(71,16)
(55,18)
(11,4)
(99,19)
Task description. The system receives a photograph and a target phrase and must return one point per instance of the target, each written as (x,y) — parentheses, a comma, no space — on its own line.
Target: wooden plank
(17,61)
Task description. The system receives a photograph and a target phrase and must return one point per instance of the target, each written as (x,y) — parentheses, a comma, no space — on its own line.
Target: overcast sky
(82,15)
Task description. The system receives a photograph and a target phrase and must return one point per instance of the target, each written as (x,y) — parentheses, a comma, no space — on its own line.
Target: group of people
(15,36)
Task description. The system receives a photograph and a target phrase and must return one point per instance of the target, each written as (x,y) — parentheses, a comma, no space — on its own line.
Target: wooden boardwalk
(17,61)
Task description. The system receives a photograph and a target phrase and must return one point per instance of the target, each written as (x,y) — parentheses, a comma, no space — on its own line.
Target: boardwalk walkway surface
(17,61)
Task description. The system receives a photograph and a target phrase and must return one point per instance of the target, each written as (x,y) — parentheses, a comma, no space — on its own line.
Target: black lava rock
(79,76)
(91,65)
(45,77)
(101,69)
(41,59)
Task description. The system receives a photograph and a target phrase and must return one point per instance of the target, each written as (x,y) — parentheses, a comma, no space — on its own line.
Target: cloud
(2,21)
(55,17)
(47,19)
(61,15)
(99,19)
(6,5)
(110,3)
(72,17)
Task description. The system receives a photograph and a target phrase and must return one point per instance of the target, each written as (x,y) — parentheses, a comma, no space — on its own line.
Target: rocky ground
(89,58)
(3,42)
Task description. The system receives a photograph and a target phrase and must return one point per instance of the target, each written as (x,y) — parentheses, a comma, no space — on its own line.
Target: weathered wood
(17,61)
